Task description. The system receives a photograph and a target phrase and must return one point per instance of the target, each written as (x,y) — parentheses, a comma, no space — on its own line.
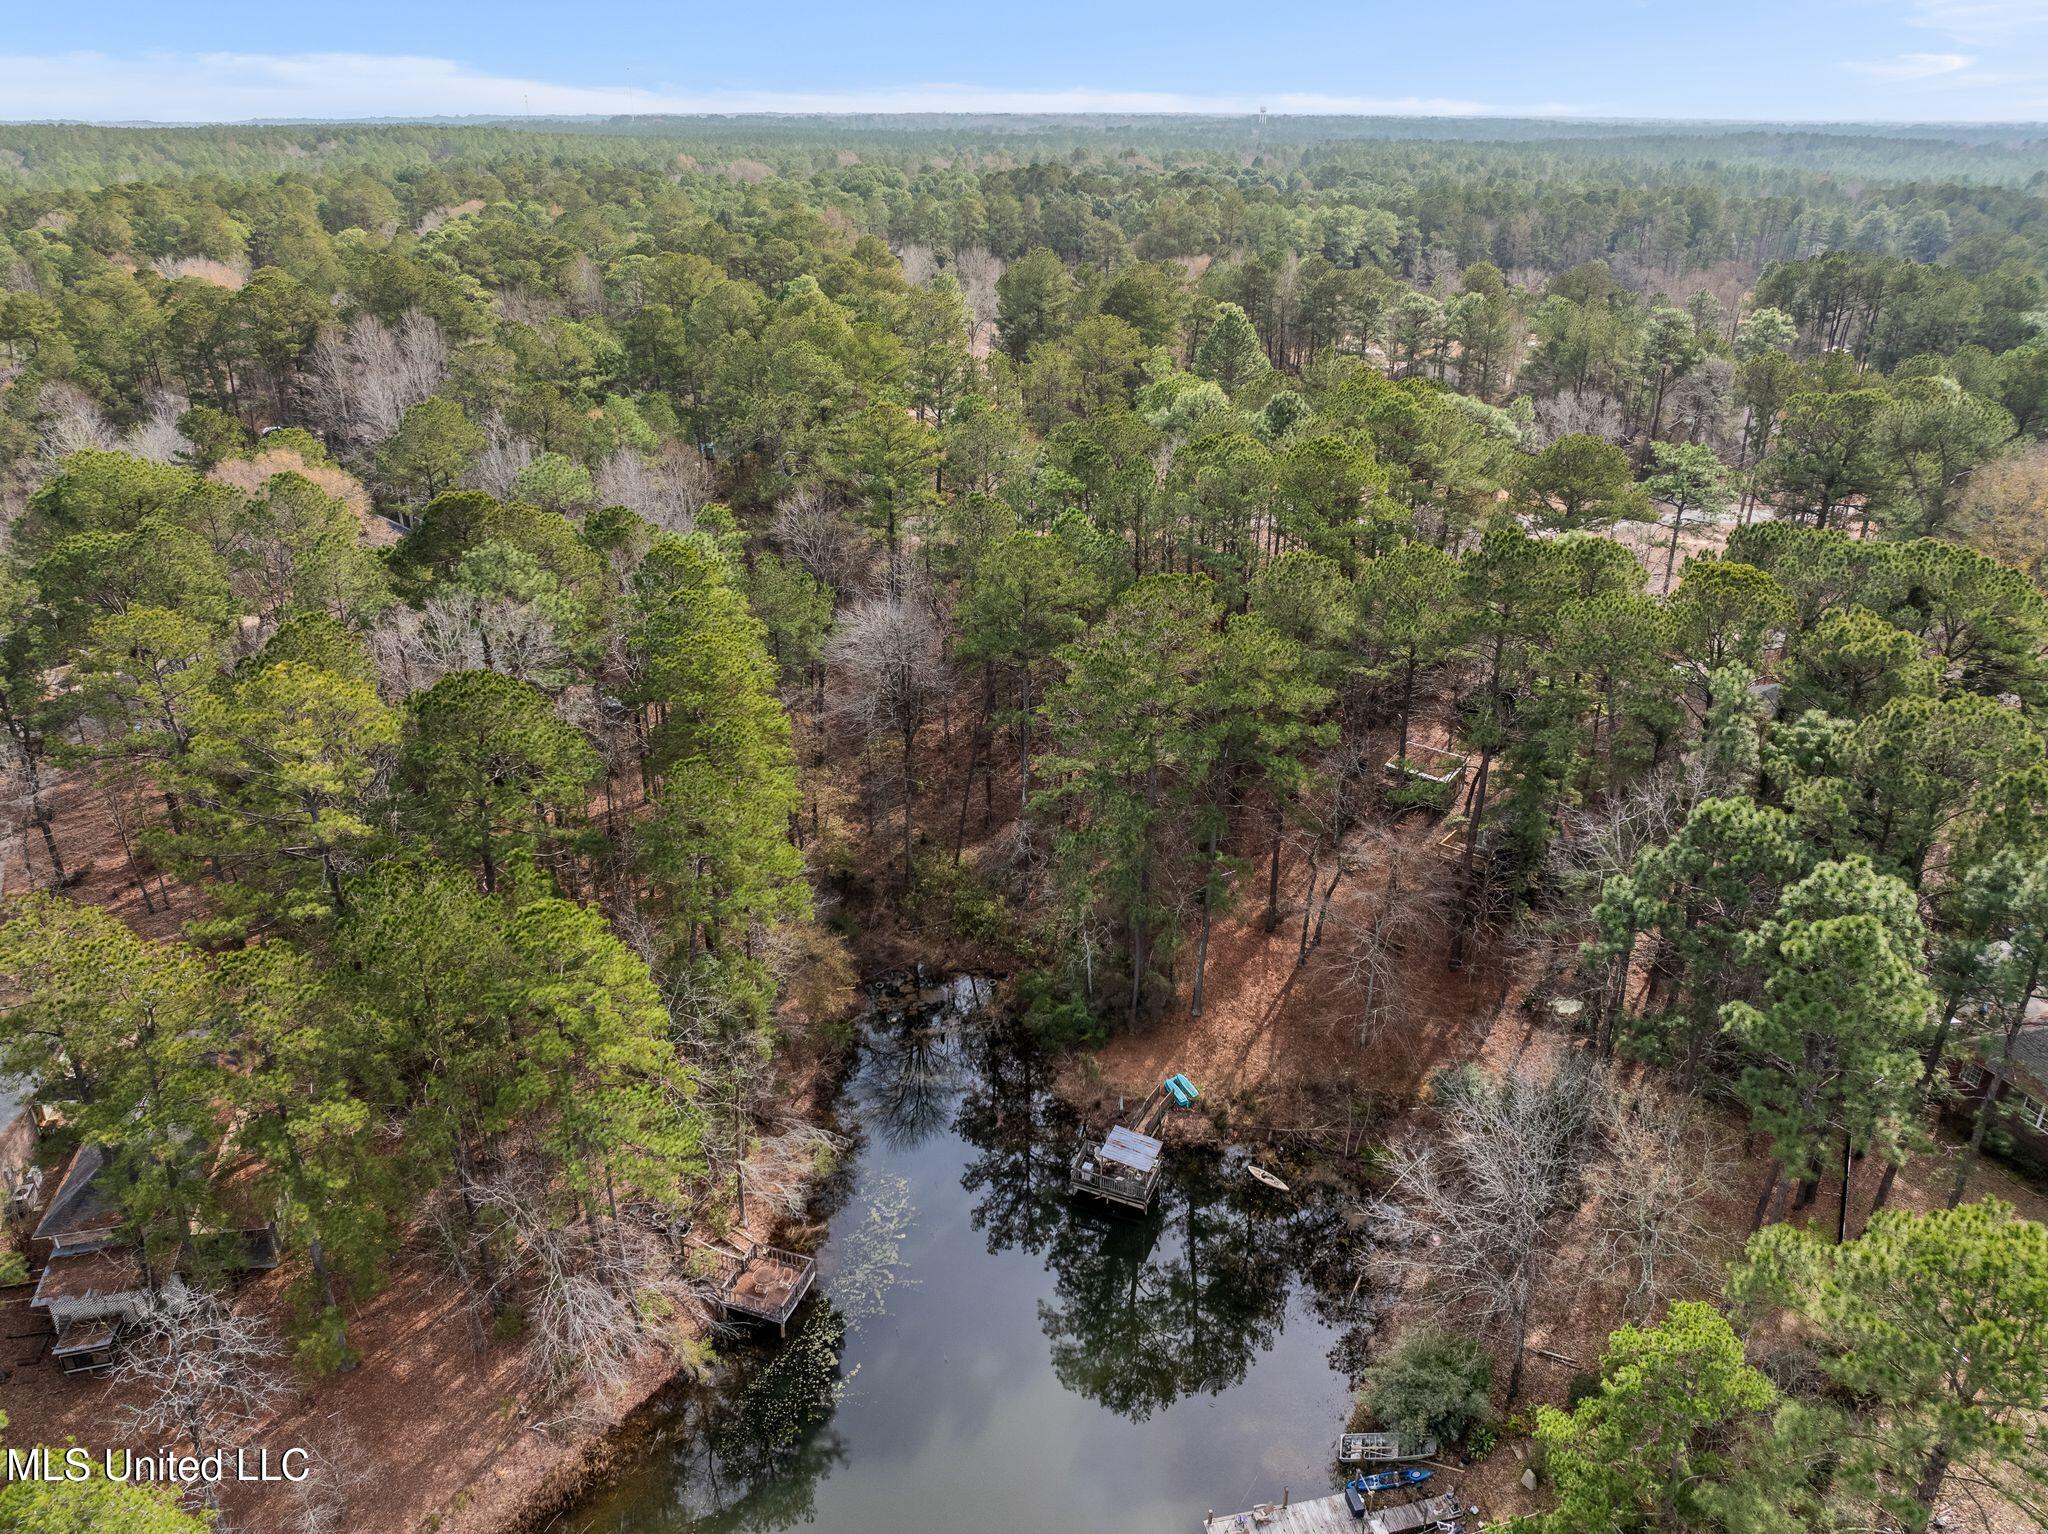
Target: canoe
(1390,1480)
(1265,1177)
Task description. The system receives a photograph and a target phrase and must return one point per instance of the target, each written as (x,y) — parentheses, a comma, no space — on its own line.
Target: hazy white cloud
(1914,66)
(234,87)
(1980,21)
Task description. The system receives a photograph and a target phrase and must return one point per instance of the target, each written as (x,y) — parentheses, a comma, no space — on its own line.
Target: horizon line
(1142,115)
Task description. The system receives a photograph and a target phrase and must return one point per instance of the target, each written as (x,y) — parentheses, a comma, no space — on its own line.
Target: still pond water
(991,1354)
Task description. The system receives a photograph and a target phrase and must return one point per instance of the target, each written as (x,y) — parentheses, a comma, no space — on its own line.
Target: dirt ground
(1650,542)
(1281,1048)
(93,827)
(436,1429)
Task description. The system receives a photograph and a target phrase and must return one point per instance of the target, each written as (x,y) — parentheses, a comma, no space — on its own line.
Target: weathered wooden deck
(1125,1168)
(1329,1515)
(1091,1172)
(1319,1515)
(764,1283)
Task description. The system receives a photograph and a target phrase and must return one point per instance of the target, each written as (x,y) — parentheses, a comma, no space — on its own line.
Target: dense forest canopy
(521,611)
(94,154)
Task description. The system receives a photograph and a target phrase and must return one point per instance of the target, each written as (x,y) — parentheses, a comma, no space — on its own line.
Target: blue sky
(229,60)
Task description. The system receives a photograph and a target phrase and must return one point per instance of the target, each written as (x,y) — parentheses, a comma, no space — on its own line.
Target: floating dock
(1378,1448)
(1329,1515)
(1124,1169)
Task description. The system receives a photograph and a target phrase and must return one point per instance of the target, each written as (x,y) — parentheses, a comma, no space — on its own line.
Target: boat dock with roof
(1124,1168)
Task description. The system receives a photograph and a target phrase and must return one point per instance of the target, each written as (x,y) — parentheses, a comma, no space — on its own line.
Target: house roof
(82,1205)
(84,1337)
(106,1274)
(2029,1051)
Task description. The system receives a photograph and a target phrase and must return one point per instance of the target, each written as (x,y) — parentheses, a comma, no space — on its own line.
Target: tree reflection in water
(1023,1138)
(1145,1310)
(911,1080)
(1180,1306)
(746,1453)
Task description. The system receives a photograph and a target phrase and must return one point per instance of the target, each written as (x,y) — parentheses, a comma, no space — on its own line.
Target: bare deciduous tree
(1561,415)
(786,1162)
(496,634)
(1602,839)
(1327,822)
(496,471)
(200,1370)
(668,488)
(462,630)
(583,286)
(221,274)
(1405,906)
(72,422)
(890,652)
(1663,1167)
(523,306)
(920,264)
(333,1498)
(156,436)
(734,1072)
(976,269)
(595,1289)
(1480,1205)
(812,528)
(1697,409)
(361,380)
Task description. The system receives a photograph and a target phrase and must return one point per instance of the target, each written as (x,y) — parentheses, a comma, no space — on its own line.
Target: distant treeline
(1782,156)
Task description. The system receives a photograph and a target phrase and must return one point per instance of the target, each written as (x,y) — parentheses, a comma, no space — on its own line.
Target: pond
(988,1352)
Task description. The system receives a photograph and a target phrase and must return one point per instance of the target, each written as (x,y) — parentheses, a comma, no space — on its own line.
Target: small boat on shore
(1365,1448)
(1390,1480)
(1259,1173)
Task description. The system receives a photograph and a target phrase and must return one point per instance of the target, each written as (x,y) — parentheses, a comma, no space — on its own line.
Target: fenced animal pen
(1437,765)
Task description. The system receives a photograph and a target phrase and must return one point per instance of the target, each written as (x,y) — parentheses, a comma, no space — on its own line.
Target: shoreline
(579,1467)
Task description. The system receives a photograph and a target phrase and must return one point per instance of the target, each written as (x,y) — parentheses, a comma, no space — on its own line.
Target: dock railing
(766,1283)
(1105,1179)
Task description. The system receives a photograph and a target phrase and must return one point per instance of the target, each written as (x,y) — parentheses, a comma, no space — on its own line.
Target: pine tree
(1937,1325)
(1132,753)
(276,780)
(1678,1417)
(487,765)
(1834,1042)
(717,849)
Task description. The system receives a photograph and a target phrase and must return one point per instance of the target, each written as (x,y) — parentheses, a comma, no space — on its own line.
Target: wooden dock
(762,1283)
(1124,1169)
(1329,1515)
(1380,1448)
(1318,1515)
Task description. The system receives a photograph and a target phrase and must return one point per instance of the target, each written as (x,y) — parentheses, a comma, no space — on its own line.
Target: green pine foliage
(501,580)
